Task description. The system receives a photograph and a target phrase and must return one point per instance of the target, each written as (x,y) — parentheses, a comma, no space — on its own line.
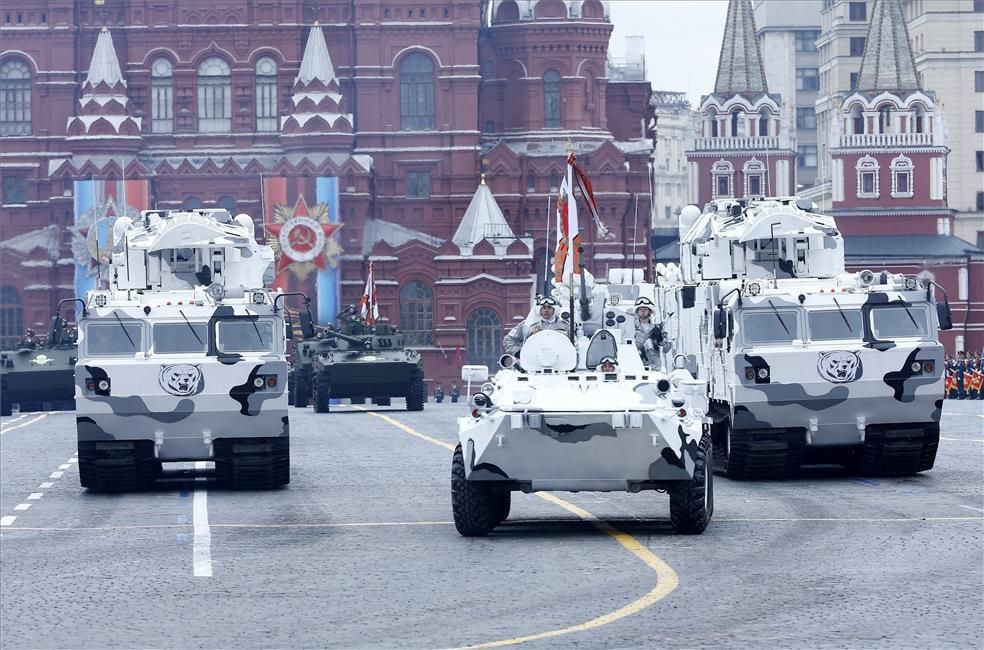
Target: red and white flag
(567,259)
(369,307)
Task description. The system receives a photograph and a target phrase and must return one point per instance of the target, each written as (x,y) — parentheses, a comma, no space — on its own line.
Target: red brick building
(387,113)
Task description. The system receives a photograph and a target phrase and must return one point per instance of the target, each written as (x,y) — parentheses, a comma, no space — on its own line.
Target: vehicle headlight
(763,373)
(911,284)
(259,382)
(103,384)
(100,300)
(259,297)
(215,291)
(916,366)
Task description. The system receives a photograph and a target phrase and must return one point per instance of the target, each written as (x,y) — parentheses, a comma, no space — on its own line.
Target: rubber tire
(473,503)
(321,393)
(118,470)
(252,469)
(503,505)
(382,401)
(302,389)
(719,445)
(692,502)
(417,393)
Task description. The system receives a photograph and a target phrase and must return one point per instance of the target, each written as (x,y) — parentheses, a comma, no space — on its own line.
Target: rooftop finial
(483,179)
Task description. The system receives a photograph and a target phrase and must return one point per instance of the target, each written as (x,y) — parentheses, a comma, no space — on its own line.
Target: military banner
(301,220)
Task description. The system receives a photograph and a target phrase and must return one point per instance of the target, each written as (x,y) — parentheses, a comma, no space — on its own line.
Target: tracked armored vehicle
(555,420)
(183,357)
(39,374)
(367,363)
(804,362)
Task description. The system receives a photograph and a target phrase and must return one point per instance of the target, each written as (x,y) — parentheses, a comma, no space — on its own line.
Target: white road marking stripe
(202,546)
(18,418)
(34,496)
(45,485)
(56,474)
(4,430)
(64,466)
(22,506)
(6,521)
(973,508)
(961,439)
(73,459)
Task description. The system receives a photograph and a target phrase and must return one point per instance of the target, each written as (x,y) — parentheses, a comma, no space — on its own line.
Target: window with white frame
(266,94)
(722,176)
(15,98)
(753,172)
(214,96)
(161,96)
(867,171)
(902,169)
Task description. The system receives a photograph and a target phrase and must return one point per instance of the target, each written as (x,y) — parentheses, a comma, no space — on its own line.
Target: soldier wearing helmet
(512,343)
(608,364)
(649,336)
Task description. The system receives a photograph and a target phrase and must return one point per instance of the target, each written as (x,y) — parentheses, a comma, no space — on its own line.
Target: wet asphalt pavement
(359,552)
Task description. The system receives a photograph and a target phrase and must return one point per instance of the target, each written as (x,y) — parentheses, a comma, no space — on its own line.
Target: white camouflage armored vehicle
(804,362)
(556,419)
(182,358)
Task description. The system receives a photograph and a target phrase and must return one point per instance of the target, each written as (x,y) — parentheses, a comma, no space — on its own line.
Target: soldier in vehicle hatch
(512,343)
(649,336)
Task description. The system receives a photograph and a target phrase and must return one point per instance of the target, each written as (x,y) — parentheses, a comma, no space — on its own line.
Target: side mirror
(307,324)
(720,323)
(688,297)
(944,315)
(474,373)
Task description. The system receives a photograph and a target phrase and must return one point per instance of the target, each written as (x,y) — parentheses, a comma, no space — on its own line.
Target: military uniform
(649,336)
(512,343)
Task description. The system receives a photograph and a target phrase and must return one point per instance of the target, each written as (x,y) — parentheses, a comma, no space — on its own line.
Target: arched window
(228,203)
(191,203)
(417,313)
(867,169)
(722,179)
(737,123)
(885,119)
(214,96)
(161,96)
(920,124)
(754,172)
(551,99)
(764,116)
(489,126)
(857,120)
(484,337)
(11,318)
(902,172)
(266,94)
(712,118)
(416,93)
(15,98)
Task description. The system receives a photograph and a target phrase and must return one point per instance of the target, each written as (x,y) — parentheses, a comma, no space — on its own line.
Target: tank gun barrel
(363,341)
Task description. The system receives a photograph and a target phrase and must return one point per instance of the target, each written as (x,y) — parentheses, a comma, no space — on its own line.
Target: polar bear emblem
(182,379)
(839,366)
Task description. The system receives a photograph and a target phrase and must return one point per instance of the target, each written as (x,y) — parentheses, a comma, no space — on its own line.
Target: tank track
(252,463)
(899,451)
(760,454)
(118,466)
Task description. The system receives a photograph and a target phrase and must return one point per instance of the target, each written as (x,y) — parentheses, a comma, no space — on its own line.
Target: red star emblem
(301,237)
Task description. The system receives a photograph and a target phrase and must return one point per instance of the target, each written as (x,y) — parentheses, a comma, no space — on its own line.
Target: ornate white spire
(740,67)
(316,63)
(887,63)
(105,66)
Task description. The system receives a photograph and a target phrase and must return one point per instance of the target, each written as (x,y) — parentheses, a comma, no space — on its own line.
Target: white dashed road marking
(22,506)
(8,429)
(6,521)
(34,496)
(202,547)
(56,474)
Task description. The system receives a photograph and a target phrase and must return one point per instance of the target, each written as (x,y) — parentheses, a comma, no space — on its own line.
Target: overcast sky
(683,40)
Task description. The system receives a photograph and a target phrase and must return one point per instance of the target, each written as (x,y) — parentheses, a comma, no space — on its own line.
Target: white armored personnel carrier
(182,358)
(555,419)
(803,360)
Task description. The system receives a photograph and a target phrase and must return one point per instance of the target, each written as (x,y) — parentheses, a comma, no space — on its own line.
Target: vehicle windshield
(769,326)
(899,321)
(173,338)
(833,325)
(114,337)
(244,335)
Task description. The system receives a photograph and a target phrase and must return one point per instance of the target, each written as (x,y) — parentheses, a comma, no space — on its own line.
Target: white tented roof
(483,220)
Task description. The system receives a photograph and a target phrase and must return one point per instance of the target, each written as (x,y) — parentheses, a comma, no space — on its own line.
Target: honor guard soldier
(512,343)
(649,336)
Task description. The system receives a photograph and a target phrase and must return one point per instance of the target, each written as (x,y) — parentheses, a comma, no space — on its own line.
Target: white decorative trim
(868,165)
(722,168)
(902,166)
(754,167)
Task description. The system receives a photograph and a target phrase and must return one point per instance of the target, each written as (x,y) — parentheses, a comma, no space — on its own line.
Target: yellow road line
(24,424)
(666,578)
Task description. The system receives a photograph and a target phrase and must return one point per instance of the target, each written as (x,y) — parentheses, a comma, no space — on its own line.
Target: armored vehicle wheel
(358,400)
(692,502)
(118,466)
(381,401)
(473,503)
(301,389)
(252,463)
(417,393)
(900,451)
(321,393)
(503,504)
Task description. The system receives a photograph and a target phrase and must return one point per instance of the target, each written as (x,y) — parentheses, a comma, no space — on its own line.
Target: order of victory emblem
(42,360)
(302,238)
